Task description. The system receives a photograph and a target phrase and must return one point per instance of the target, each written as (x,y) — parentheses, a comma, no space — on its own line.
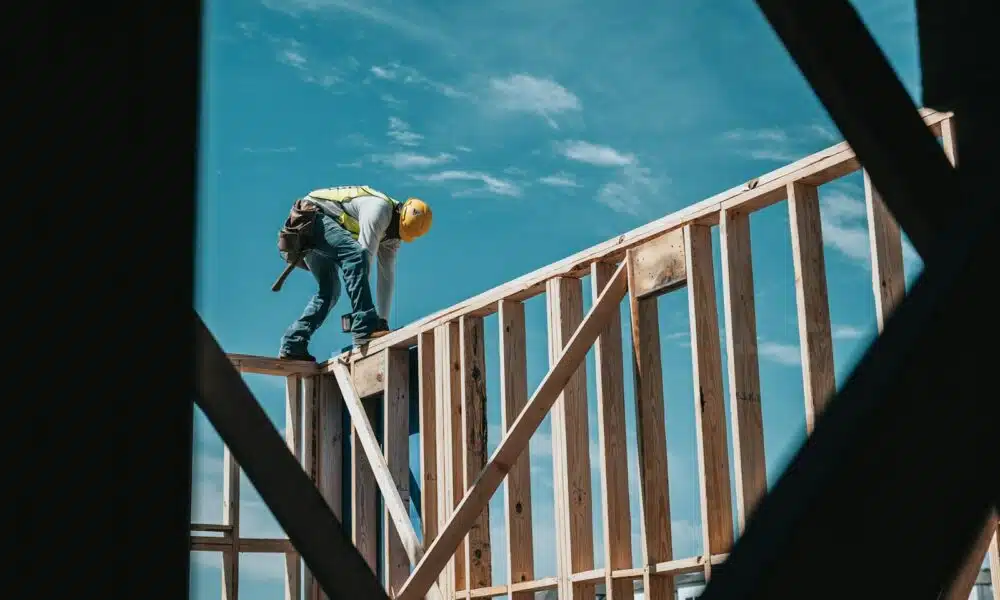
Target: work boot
(305,356)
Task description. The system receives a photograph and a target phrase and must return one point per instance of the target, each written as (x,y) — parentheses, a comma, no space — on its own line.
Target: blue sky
(534,130)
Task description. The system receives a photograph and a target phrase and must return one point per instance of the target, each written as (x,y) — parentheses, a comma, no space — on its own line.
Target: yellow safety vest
(346,193)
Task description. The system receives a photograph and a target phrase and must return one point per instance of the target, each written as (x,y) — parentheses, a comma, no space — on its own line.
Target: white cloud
(783,354)
(291,52)
(397,72)
(525,93)
(623,194)
(845,227)
(779,145)
(409,160)
(492,184)
(282,150)
(594,154)
(848,332)
(399,131)
(560,180)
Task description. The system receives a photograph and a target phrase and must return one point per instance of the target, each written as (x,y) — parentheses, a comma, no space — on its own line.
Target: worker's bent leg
(295,342)
(354,264)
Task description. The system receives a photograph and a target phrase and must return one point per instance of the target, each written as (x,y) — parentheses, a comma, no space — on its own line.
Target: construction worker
(353,226)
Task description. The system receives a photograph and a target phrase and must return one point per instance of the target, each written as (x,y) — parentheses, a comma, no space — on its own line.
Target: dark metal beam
(857,85)
(282,483)
(901,465)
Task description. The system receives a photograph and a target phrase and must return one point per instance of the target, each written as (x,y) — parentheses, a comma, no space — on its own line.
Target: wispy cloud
(563,180)
(632,183)
(594,154)
(779,145)
(782,354)
(397,72)
(409,160)
(400,132)
(845,226)
(490,183)
(848,332)
(533,95)
(282,150)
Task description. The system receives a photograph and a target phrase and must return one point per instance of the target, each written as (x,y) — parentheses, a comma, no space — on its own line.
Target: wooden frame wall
(458,478)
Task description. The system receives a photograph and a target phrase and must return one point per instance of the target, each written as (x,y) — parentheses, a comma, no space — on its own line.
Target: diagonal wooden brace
(390,493)
(515,441)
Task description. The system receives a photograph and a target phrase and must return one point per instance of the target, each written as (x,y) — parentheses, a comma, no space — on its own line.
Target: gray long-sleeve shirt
(373,215)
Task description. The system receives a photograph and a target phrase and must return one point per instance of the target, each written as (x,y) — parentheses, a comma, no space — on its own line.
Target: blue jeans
(334,250)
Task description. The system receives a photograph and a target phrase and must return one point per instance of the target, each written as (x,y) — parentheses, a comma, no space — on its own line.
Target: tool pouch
(295,236)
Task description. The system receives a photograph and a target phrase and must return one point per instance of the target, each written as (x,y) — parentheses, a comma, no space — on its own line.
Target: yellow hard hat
(414,219)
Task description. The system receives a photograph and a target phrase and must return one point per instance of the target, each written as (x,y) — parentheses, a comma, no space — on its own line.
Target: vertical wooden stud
(329,410)
(709,408)
(310,460)
(995,561)
(293,435)
(364,496)
(513,398)
(231,518)
(654,499)
(611,434)
(396,447)
(478,554)
(948,140)
(743,365)
(570,446)
(811,299)
(886,240)
(428,437)
(449,413)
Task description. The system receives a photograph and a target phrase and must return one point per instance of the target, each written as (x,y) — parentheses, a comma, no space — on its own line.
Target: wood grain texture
(813,306)
(886,241)
(515,441)
(654,497)
(513,398)
(709,405)
(396,443)
(428,436)
(231,518)
(611,437)
(742,362)
(659,264)
(364,495)
(447,373)
(293,437)
(311,448)
(479,554)
(570,445)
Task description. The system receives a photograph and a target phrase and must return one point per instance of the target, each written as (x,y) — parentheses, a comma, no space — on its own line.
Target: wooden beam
(428,436)
(515,441)
(311,462)
(654,497)
(659,264)
(368,375)
(611,436)
(742,362)
(478,553)
(396,441)
(886,240)
(995,561)
(265,365)
(513,398)
(449,406)
(231,518)
(815,337)
(760,192)
(247,545)
(364,488)
(329,428)
(293,437)
(570,445)
(709,406)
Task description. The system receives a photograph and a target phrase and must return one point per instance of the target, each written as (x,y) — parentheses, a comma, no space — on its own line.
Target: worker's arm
(374,216)
(386,276)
